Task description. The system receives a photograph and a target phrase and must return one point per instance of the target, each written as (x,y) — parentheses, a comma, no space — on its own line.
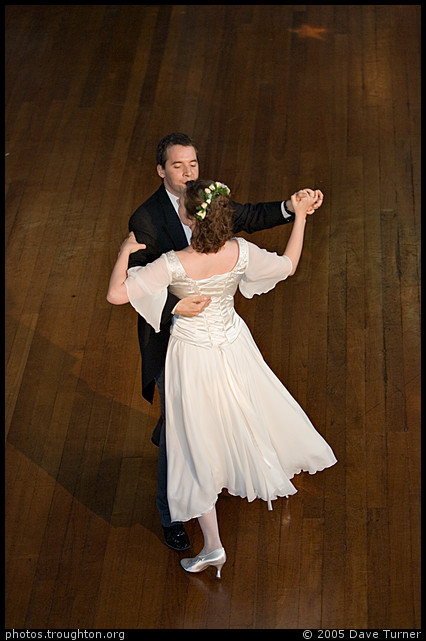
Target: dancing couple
(227,421)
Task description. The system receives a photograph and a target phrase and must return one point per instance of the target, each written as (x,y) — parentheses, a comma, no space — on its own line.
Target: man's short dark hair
(175,138)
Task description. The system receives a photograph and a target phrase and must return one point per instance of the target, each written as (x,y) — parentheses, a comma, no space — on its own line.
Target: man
(156,223)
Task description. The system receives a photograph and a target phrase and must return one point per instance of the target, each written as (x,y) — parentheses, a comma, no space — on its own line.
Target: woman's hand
(117,290)
(131,245)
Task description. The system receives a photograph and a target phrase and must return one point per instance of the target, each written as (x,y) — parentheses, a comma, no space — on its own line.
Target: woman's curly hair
(210,234)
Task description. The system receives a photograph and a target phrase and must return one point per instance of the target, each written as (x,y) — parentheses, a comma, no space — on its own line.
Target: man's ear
(160,171)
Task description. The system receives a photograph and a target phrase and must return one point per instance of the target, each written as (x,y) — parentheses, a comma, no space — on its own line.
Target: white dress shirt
(174,199)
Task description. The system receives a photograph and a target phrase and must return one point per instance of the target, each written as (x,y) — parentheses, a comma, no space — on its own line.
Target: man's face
(181,166)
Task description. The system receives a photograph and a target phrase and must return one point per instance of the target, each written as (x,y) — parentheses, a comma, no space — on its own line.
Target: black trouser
(159,438)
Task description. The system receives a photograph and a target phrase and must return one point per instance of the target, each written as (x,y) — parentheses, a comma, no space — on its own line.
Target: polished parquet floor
(278,97)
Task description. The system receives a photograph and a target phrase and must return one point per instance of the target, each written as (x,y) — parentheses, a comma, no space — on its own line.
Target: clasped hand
(306,201)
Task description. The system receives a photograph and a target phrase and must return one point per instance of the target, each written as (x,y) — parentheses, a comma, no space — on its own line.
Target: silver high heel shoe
(199,563)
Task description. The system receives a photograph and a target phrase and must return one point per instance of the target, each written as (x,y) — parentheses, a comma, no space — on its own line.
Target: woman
(230,421)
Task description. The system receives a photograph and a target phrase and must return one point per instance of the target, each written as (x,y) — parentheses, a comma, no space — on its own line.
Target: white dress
(231,423)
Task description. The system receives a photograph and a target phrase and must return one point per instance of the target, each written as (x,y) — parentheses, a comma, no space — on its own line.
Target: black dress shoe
(176,537)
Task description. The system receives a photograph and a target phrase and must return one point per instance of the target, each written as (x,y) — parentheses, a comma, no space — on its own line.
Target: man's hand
(319,197)
(191,306)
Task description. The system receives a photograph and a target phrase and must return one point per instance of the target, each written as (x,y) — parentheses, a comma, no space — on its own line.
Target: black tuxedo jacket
(157,224)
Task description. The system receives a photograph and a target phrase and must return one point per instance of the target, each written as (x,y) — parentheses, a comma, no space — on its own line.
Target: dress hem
(250,500)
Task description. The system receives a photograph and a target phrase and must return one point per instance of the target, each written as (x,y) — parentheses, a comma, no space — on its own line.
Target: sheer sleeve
(147,290)
(264,270)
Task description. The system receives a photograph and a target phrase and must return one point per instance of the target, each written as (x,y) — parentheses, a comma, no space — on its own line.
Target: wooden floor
(278,97)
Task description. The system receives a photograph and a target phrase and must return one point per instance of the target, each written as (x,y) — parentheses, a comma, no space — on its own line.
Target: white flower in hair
(209,194)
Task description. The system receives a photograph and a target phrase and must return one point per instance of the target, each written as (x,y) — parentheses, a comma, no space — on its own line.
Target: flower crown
(209,194)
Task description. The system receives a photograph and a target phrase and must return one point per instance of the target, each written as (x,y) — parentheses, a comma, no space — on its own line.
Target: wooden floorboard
(278,97)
